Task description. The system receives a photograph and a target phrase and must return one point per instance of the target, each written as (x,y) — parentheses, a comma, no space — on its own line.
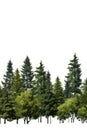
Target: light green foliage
(69,107)
(17,84)
(82,113)
(26,105)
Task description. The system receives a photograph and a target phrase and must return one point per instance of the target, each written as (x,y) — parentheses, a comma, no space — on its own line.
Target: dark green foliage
(40,80)
(8,109)
(27,74)
(49,104)
(58,91)
(8,77)
(48,82)
(73,79)
(83,102)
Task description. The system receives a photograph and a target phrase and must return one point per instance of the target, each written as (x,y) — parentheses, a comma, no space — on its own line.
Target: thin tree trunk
(28,120)
(17,121)
(40,118)
(24,120)
(50,120)
(47,120)
(0,120)
(4,121)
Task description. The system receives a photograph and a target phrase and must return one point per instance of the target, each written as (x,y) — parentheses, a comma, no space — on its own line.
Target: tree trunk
(40,119)
(17,121)
(0,120)
(47,120)
(50,119)
(24,120)
(4,121)
(28,120)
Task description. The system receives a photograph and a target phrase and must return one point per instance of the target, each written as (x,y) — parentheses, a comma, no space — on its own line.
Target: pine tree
(40,79)
(17,84)
(73,78)
(27,74)
(49,105)
(48,82)
(8,77)
(58,91)
(68,88)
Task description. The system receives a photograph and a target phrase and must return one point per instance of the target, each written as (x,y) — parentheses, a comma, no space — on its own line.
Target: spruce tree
(40,79)
(27,74)
(17,84)
(48,82)
(8,77)
(49,105)
(58,91)
(43,88)
(73,79)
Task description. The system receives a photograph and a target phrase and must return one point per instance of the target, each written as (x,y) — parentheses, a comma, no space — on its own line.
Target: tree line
(31,95)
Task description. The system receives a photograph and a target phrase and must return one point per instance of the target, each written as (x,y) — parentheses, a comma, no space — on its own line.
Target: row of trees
(30,94)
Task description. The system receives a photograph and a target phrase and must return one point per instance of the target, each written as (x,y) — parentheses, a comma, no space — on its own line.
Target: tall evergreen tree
(73,78)
(27,74)
(17,84)
(58,91)
(43,89)
(48,82)
(40,79)
(49,105)
(8,77)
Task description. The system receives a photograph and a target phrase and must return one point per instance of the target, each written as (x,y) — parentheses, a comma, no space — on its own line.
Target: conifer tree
(27,74)
(58,91)
(48,82)
(17,84)
(73,79)
(40,79)
(8,77)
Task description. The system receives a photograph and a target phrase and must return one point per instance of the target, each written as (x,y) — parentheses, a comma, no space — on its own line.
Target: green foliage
(58,91)
(49,104)
(69,107)
(82,113)
(27,74)
(40,80)
(32,95)
(8,77)
(82,110)
(8,109)
(17,84)
(26,105)
(73,78)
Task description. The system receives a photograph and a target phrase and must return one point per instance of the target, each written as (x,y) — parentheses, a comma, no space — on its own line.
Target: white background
(47,30)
